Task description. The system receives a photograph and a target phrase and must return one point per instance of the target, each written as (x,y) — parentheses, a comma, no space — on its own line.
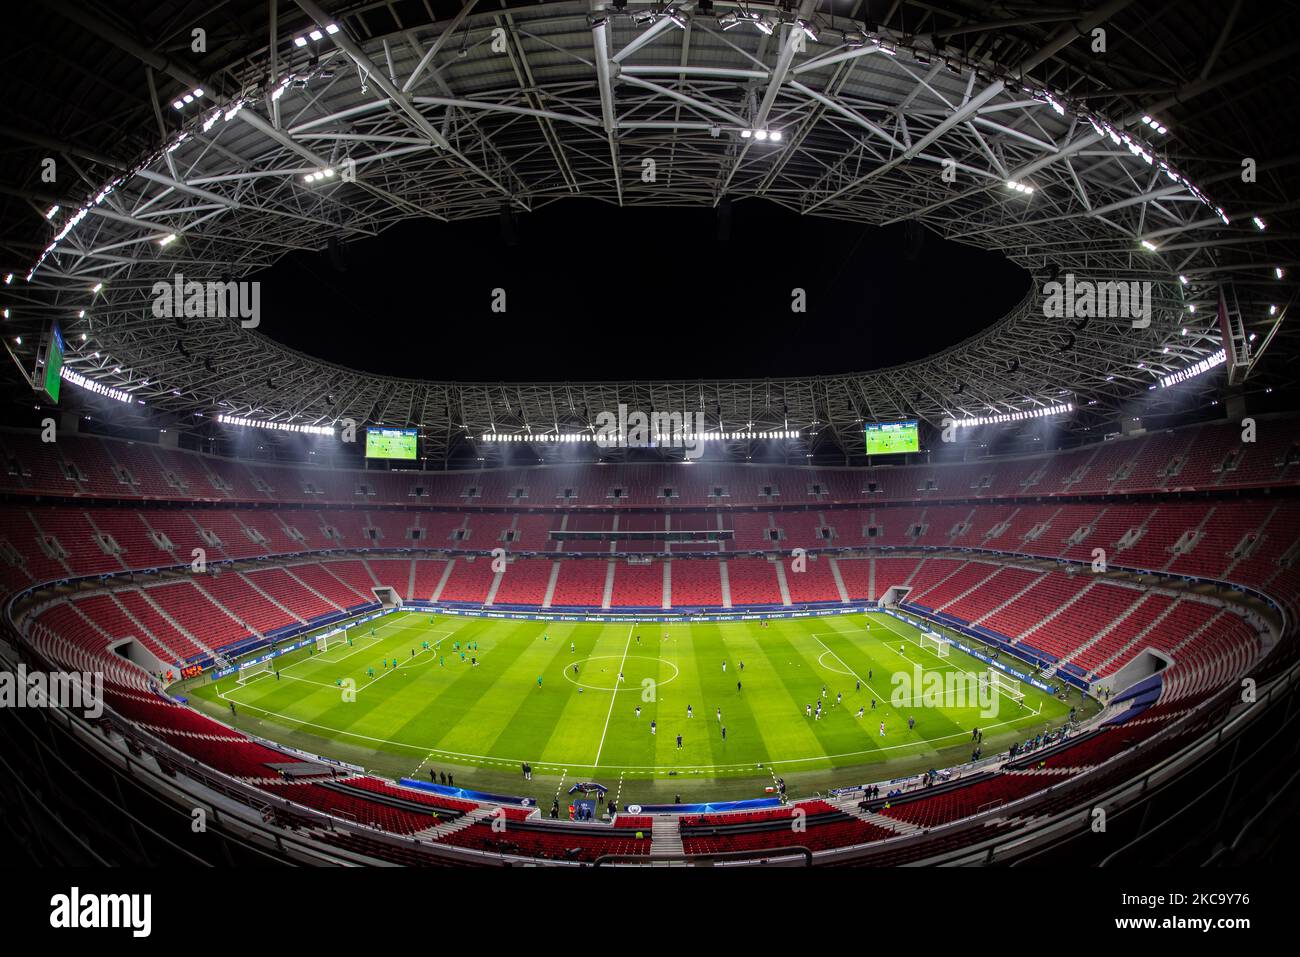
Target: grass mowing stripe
(489,717)
(613,696)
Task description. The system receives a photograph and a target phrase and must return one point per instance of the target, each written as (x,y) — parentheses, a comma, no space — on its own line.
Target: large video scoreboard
(892,438)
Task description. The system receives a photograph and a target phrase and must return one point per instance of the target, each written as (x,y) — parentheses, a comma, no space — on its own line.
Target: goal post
(1004,686)
(253,671)
(327,641)
(934,644)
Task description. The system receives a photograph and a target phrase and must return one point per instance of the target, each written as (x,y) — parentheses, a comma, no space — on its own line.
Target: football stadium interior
(653,556)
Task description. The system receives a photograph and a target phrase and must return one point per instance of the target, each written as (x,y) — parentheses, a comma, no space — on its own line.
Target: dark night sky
(598,292)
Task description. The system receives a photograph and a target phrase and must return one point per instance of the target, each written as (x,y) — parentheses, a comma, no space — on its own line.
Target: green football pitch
(385,702)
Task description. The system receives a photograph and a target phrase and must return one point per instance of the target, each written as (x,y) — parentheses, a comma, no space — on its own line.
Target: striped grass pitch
(432,706)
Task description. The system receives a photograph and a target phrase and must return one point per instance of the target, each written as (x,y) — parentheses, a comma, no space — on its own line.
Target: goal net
(1006,687)
(934,644)
(326,642)
(250,672)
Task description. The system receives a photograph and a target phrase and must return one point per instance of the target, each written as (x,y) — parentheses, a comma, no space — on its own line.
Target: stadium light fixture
(95,290)
(1019,187)
(185,99)
(276,426)
(167,240)
(808,29)
(1001,418)
(9,278)
(1192,371)
(1279,273)
(315,35)
(1183,280)
(1149,246)
(1155,125)
(52,211)
(1259,223)
(90,385)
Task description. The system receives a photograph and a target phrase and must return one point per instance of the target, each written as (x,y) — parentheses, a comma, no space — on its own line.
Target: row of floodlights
(1192,371)
(657,437)
(90,385)
(197,93)
(277,426)
(188,98)
(1155,125)
(326,173)
(762,135)
(1039,413)
(315,36)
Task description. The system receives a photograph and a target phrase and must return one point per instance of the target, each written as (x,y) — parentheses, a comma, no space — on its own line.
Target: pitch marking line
(876,694)
(950,666)
(654,768)
(613,697)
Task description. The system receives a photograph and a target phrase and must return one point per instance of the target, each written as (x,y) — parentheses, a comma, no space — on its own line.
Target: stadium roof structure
(1003,126)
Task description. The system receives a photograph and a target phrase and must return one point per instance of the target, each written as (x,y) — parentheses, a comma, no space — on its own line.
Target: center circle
(613,673)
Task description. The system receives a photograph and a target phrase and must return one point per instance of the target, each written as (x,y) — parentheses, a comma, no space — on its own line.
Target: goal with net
(1004,686)
(934,644)
(253,671)
(327,641)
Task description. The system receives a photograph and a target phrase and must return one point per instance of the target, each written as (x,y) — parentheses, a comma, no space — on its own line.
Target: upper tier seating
(1201,456)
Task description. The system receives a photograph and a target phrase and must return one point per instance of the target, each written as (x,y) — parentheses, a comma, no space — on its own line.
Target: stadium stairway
(1037,577)
(1056,612)
(1115,623)
(440,831)
(1156,623)
(666,837)
(272,599)
(839,579)
(782,584)
(850,806)
(162,613)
